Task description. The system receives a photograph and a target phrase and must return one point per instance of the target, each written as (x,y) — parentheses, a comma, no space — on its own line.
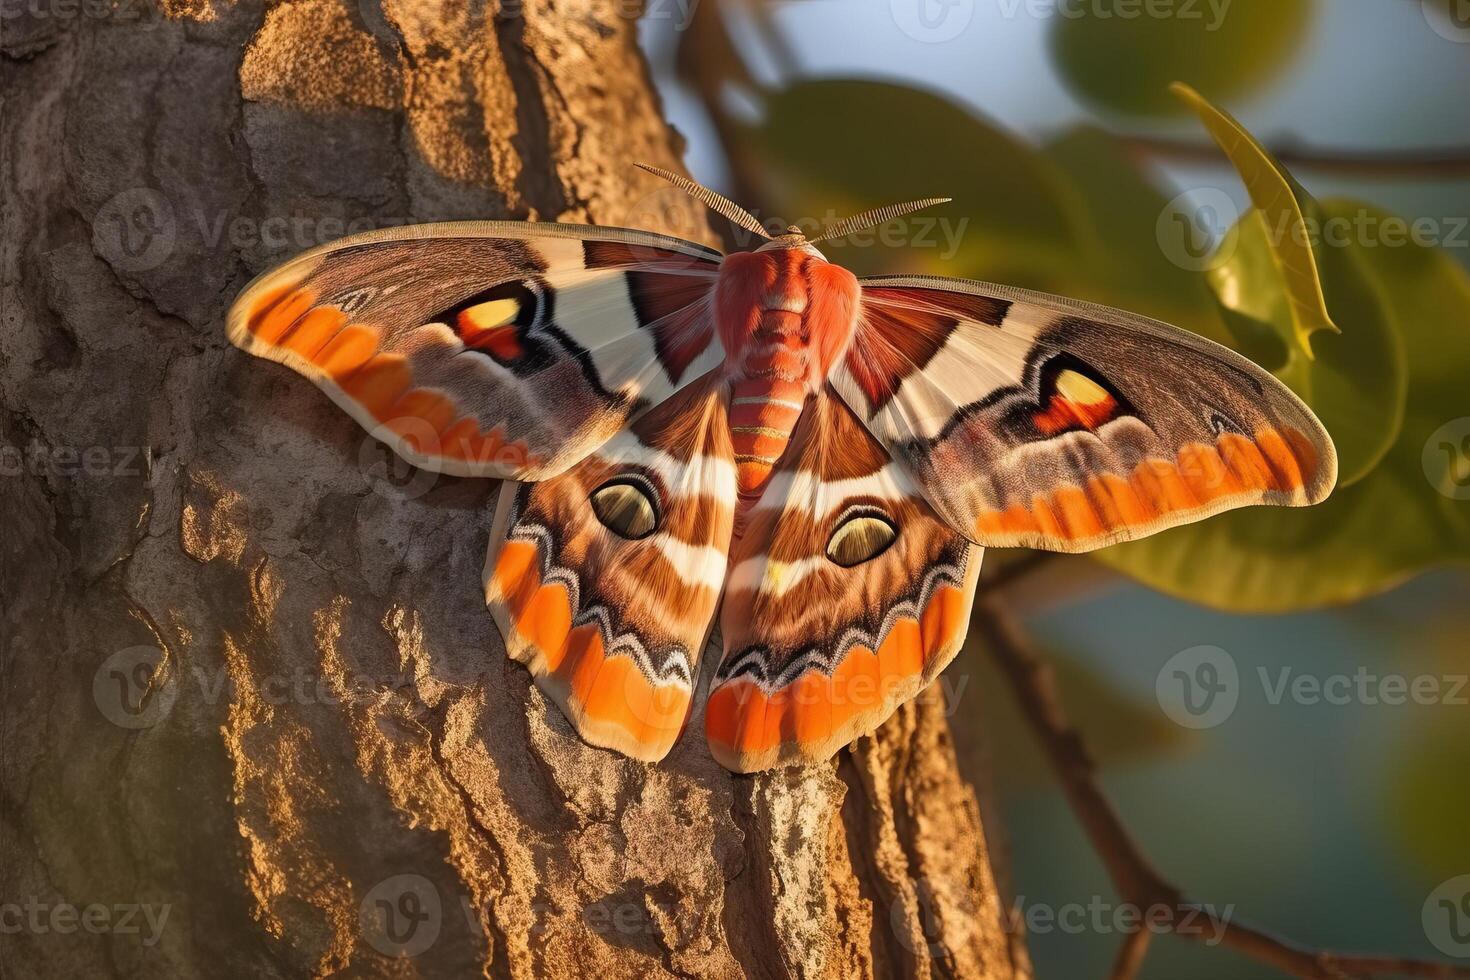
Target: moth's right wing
(490,348)
(846,595)
(1041,422)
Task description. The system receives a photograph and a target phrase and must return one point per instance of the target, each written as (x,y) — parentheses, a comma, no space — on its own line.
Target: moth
(814,460)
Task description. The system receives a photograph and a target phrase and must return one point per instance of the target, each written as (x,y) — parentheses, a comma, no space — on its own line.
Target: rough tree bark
(248,678)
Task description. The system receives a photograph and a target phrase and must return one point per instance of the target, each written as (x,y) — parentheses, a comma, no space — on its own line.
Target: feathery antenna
(877,216)
(715,202)
(847,226)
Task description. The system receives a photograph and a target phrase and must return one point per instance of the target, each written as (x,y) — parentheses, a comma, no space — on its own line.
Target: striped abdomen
(784,316)
(763,411)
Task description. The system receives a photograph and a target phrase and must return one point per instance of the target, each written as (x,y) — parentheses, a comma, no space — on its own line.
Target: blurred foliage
(1373,336)
(1366,537)
(1124,63)
(1121,727)
(1427,809)
(1423,640)
(1117,258)
(820,141)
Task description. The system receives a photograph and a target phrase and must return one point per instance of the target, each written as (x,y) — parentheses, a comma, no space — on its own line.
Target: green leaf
(1429,294)
(1125,62)
(1120,728)
(1284,207)
(832,147)
(1365,538)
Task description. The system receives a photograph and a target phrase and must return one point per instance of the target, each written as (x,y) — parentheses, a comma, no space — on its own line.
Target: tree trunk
(255,711)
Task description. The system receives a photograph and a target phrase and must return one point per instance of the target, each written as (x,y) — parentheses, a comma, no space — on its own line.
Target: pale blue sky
(1373,75)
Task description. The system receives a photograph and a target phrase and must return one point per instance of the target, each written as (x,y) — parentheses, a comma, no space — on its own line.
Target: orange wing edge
(276,318)
(610,702)
(818,714)
(1279,467)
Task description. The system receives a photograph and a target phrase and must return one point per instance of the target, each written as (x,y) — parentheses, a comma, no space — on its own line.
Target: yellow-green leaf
(1282,204)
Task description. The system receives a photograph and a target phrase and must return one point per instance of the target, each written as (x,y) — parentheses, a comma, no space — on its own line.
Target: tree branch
(1446,162)
(1033,682)
(1131,955)
(1013,571)
(707,61)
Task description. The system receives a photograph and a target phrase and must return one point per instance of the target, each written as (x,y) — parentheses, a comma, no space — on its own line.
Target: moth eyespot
(499,323)
(859,538)
(626,507)
(1079,388)
(489,315)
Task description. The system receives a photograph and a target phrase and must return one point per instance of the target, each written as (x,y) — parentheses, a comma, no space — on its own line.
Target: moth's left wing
(490,348)
(604,580)
(846,596)
(1032,420)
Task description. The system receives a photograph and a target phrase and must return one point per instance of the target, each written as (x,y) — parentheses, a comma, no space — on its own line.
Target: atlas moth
(763,440)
